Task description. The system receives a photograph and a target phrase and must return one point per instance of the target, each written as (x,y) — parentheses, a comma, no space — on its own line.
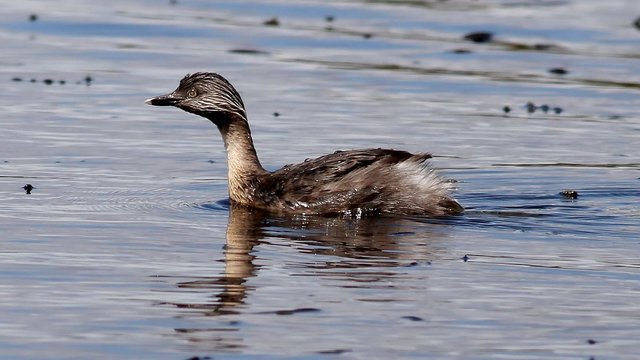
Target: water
(127,247)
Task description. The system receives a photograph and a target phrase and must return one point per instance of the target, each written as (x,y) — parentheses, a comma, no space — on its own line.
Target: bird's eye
(192,93)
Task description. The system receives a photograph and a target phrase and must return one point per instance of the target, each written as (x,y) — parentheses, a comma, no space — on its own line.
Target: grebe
(368,181)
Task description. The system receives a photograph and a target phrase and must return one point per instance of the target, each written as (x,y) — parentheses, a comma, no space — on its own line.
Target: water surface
(127,247)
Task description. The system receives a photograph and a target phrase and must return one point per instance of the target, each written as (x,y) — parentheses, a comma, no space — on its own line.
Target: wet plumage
(356,181)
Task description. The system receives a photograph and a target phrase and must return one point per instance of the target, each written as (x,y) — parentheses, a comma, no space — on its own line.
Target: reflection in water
(244,230)
(355,251)
(367,243)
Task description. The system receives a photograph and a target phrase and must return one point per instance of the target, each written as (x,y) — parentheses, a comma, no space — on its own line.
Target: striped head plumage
(205,94)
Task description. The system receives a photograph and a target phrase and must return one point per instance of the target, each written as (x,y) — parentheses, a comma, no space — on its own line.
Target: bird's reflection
(370,248)
(371,243)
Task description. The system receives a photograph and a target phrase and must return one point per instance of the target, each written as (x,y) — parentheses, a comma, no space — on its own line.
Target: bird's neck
(243,163)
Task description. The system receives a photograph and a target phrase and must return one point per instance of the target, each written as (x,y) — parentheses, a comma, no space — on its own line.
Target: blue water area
(128,246)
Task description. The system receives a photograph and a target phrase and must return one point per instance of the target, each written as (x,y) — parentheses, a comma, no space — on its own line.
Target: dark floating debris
(200,358)
(27,188)
(33,17)
(569,194)
(272,22)
(591,342)
(506,109)
(531,107)
(276,114)
(479,37)
(48,81)
(461,51)
(413,318)
(333,351)
(367,35)
(637,23)
(465,258)
(248,51)
(559,71)
(329,18)
(173,2)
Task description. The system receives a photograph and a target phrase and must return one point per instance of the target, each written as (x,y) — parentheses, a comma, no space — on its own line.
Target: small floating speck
(248,51)
(559,71)
(276,114)
(47,81)
(33,17)
(333,351)
(27,188)
(200,358)
(569,194)
(413,318)
(33,80)
(461,51)
(531,107)
(591,342)
(329,18)
(465,258)
(62,82)
(544,108)
(16,79)
(506,109)
(367,35)
(557,110)
(637,23)
(88,79)
(272,22)
(173,2)
(479,37)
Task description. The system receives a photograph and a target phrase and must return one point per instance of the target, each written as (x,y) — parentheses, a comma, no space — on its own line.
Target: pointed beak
(164,100)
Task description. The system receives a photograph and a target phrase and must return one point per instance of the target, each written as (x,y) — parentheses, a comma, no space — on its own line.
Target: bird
(357,182)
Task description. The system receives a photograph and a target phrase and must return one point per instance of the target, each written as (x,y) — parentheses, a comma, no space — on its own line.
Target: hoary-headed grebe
(365,181)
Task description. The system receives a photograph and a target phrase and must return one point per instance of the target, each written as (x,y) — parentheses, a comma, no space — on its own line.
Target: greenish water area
(126,246)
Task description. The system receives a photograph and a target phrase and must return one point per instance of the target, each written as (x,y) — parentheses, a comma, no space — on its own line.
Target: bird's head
(205,94)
